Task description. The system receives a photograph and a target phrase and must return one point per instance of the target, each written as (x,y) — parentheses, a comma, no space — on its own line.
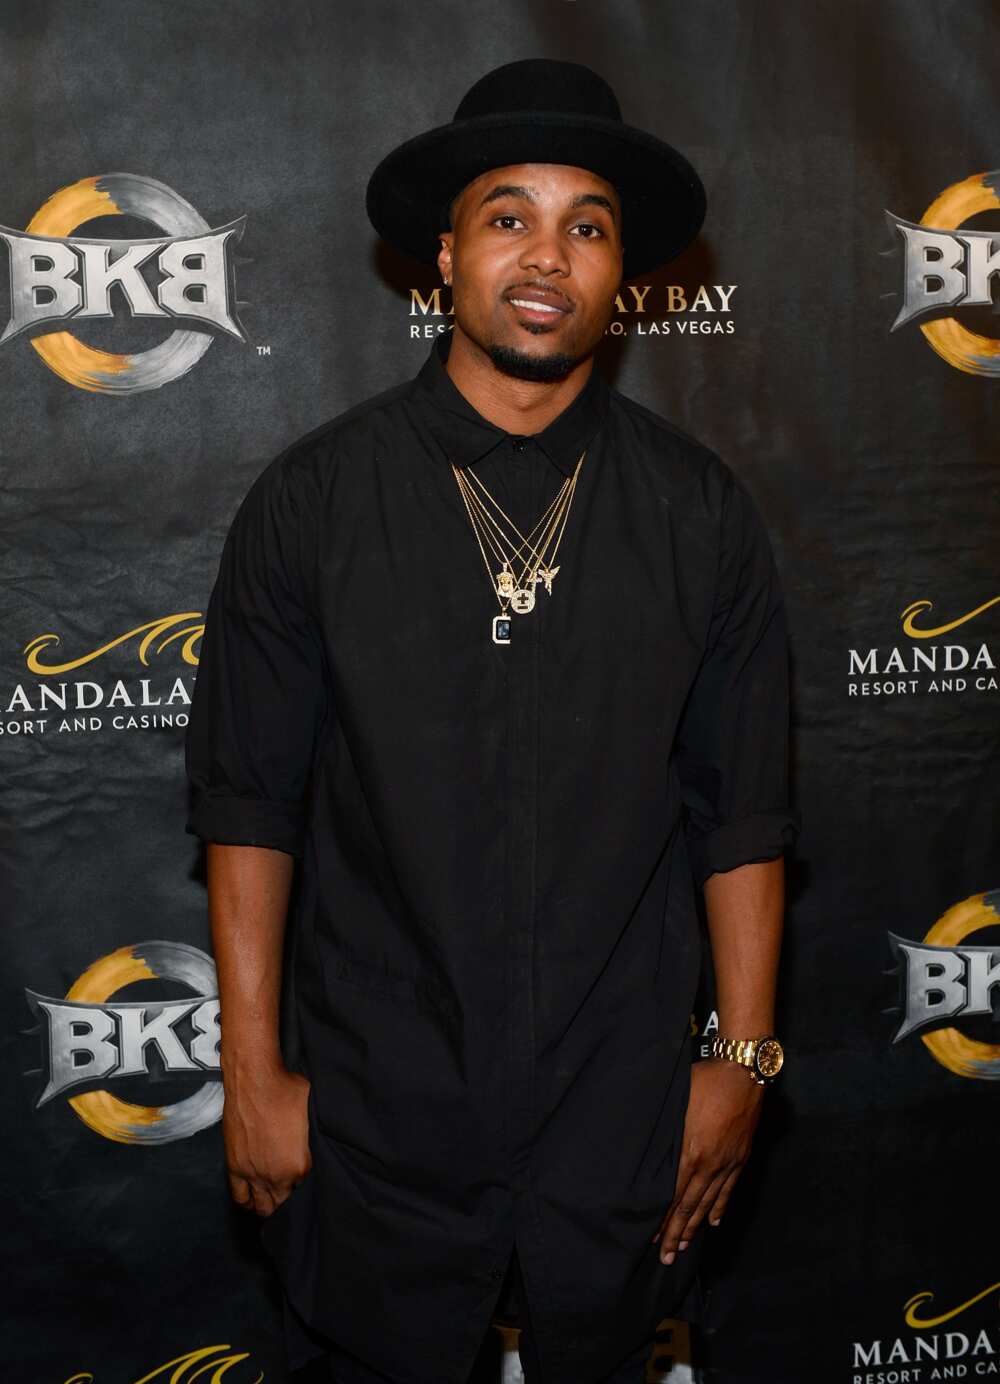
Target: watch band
(747,1052)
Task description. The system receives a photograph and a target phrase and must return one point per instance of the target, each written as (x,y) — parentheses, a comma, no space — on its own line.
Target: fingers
(709,1196)
(254,1195)
(239,1190)
(683,1218)
(681,1183)
(722,1200)
(264,1201)
(703,1191)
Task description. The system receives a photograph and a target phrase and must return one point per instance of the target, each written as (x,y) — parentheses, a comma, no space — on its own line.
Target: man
(500,656)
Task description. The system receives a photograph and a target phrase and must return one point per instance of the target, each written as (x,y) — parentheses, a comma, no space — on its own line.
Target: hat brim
(663,198)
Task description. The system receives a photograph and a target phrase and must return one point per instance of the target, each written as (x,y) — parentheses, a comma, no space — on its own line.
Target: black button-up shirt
(497,939)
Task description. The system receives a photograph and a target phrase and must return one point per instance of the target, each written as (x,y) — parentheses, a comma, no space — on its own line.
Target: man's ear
(444,255)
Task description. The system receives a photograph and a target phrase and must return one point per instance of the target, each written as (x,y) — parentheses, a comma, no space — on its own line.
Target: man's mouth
(535,307)
(538,307)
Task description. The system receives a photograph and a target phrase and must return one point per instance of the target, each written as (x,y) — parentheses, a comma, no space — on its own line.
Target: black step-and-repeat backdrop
(188,282)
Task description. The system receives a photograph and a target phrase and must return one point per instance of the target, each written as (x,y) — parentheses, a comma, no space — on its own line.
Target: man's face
(534,257)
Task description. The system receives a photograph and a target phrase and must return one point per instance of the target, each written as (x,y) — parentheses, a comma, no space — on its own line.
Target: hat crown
(540,84)
(539,110)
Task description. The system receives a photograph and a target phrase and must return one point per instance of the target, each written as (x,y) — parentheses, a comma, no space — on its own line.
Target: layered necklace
(520,560)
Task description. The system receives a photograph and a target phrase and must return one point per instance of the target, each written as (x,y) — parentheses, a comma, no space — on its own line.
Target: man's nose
(545,251)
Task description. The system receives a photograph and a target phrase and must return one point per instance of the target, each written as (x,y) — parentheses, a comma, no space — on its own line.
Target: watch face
(769,1057)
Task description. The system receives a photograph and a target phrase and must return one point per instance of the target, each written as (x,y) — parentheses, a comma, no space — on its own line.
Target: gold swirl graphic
(183,1367)
(62,352)
(916,608)
(953,342)
(113,1118)
(110,973)
(154,629)
(105,1114)
(961,1055)
(919,1299)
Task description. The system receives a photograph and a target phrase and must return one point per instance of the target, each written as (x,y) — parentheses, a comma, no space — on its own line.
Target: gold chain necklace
(511,590)
(496,538)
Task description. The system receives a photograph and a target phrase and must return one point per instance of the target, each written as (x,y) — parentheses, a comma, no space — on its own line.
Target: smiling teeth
(535,307)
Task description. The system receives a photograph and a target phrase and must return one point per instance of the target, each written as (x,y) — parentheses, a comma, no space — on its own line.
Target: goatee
(527,367)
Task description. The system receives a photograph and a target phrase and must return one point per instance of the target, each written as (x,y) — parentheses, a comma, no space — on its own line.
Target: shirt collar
(464,435)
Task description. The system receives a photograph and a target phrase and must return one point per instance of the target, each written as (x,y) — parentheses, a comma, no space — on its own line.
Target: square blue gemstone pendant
(501,629)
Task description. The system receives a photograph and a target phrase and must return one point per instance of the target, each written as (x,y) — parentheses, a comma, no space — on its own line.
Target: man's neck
(518,406)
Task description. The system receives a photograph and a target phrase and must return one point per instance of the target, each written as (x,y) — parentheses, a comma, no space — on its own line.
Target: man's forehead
(529,181)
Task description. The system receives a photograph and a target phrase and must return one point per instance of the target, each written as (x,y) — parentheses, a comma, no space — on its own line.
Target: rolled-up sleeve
(732,747)
(260,692)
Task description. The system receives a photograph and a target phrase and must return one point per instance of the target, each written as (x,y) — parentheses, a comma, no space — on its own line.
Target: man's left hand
(722,1113)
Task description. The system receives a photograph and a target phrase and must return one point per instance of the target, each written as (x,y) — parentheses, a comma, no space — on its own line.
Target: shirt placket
(522,830)
(532,482)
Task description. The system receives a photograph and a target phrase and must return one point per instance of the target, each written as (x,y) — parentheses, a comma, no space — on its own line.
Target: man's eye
(505,216)
(589,226)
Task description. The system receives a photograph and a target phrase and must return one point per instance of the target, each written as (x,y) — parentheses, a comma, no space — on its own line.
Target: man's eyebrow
(509,190)
(530,194)
(594,199)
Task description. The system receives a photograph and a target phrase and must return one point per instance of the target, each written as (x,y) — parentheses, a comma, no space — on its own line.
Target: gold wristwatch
(762,1057)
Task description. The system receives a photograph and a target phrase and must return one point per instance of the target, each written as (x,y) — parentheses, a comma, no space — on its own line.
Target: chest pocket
(367,978)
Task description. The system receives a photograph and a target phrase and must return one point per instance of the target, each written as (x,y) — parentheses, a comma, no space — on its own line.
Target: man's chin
(555,365)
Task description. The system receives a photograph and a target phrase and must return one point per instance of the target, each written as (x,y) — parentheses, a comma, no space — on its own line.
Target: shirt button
(496,1275)
(520,443)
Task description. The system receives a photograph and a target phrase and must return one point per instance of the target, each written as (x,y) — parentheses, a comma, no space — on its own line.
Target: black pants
(512,1308)
(630,1371)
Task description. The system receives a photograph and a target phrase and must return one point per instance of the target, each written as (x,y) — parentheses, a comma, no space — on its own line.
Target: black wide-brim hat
(539,110)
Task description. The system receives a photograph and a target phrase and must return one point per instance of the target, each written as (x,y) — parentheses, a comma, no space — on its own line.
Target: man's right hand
(265,1128)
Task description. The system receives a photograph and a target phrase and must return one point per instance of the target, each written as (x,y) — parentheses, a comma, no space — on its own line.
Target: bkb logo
(948,267)
(944,980)
(95,1038)
(56,277)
